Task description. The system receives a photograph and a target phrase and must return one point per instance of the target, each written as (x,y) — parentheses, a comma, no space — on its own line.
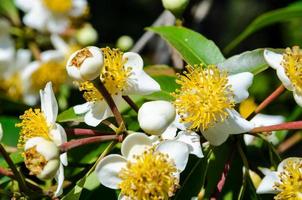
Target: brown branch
(6,172)
(283,126)
(131,103)
(291,141)
(87,132)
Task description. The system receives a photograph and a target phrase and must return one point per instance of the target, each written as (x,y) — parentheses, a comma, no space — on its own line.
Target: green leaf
(192,46)
(69,115)
(249,61)
(266,19)
(8,8)
(16,158)
(10,131)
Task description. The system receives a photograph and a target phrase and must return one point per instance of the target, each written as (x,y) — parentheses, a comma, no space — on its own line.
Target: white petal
(267,183)
(240,84)
(283,163)
(108,170)
(81,109)
(25,5)
(60,180)
(59,43)
(298,98)
(52,55)
(45,147)
(274,60)
(50,169)
(135,144)
(267,120)
(22,58)
(170,132)
(233,124)
(57,23)
(98,112)
(154,117)
(37,18)
(30,99)
(248,139)
(140,83)
(193,140)
(78,8)
(49,103)
(75,73)
(58,134)
(134,61)
(177,151)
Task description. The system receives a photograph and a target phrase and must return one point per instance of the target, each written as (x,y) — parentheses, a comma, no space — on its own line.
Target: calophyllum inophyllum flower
(206,100)
(289,67)
(52,16)
(159,118)
(285,182)
(121,74)
(158,166)
(42,124)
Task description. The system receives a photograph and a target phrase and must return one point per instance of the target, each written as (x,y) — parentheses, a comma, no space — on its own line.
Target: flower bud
(41,157)
(175,6)
(154,117)
(85,64)
(124,43)
(87,35)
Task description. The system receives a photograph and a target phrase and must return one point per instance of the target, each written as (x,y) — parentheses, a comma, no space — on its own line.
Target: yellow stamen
(49,71)
(150,176)
(58,6)
(114,75)
(290,185)
(33,124)
(203,96)
(292,63)
(80,57)
(13,87)
(34,161)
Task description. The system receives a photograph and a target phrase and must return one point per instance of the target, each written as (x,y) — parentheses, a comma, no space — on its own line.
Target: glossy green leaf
(10,131)
(8,8)
(266,19)
(192,46)
(249,61)
(69,115)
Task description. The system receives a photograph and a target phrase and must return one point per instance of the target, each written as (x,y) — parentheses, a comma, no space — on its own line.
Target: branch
(131,103)
(283,126)
(87,132)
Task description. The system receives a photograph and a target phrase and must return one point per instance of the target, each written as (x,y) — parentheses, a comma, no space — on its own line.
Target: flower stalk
(131,103)
(283,126)
(86,132)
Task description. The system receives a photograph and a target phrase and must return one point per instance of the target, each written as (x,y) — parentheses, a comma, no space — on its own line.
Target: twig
(283,126)
(79,142)
(291,141)
(6,172)
(87,132)
(35,50)
(131,103)
(246,172)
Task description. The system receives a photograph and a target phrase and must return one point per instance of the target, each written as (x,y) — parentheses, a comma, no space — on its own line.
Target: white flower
(264,120)
(87,35)
(285,182)
(122,74)
(42,123)
(50,15)
(159,118)
(139,158)
(41,157)
(206,101)
(124,42)
(37,73)
(175,6)
(288,67)
(7,49)
(85,64)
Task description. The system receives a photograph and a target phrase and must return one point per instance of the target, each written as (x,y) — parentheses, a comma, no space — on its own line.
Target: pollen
(290,185)
(58,6)
(292,63)
(80,57)
(13,87)
(203,96)
(53,71)
(33,124)
(34,161)
(150,176)
(114,76)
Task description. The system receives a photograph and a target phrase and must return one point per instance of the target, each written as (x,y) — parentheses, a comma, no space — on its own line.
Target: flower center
(58,6)
(13,87)
(114,76)
(33,124)
(80,57)
(292,63)
(150,176)
(49,71)
(203,96)
(290,181)
(34,161)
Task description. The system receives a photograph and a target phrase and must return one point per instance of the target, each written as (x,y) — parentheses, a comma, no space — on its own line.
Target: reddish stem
(6,172)
(131,103)
(279,127)
(82,131)
(268,100)
(79,142)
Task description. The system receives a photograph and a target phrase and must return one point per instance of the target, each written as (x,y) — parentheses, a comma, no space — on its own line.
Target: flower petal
(283,163)
(49,103)
(98,112)
(240,83)
(135,144)
(57,23)
(298,98)
(59,43)
(177,151)
(267,120)
(78,8)
(52,55)
(193,140)
(37,17)
(267,183)
(108,170)
(60,179)
(134,60)
(233,124)
(81,109)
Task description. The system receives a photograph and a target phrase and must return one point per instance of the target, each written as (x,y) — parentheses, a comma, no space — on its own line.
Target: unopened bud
(175,6)
(124,43)
(87,35)
(154,117)
(41,157)
(85,64)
